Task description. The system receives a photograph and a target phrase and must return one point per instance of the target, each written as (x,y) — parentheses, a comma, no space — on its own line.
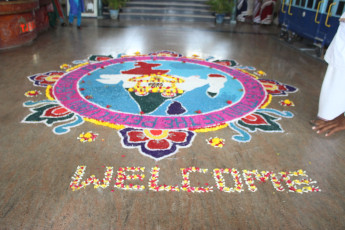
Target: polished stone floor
(36,165)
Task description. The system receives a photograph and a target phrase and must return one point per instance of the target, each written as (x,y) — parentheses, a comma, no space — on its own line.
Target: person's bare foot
(329,127)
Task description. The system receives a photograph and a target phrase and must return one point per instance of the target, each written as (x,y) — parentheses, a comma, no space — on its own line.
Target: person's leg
(52,19)
(62,22)
(70,18)
(332,102)
(332,95)
(331,117)
(79,19)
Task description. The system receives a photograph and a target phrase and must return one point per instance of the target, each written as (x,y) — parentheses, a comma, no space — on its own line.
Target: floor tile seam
(166,15)
(167,4)
(165,8)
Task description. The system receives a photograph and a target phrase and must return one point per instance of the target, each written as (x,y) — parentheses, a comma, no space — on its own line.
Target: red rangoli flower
(45,79)
(156,143)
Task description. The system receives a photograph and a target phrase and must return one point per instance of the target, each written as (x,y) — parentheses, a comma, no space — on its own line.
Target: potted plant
(221,8)
(114,7)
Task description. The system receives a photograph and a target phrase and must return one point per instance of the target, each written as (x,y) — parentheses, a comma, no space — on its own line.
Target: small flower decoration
(65,66)
(154,185)
(216,142)
(186,186)
(261,73)
(122,177)
(32,93)
(87,137)
(165,53)
(286,102)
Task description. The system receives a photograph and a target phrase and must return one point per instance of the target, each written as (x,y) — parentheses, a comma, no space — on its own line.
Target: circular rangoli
(158,101)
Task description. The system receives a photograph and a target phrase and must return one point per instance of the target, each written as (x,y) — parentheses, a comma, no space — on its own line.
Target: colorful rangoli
(158,102)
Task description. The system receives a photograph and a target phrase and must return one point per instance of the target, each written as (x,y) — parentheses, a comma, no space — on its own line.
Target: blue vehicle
(317,20)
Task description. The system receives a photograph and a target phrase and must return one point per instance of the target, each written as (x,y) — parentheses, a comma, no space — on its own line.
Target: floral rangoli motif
(157,144)
(45,79)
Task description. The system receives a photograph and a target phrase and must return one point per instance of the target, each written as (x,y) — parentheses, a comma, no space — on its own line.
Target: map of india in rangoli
(151,87)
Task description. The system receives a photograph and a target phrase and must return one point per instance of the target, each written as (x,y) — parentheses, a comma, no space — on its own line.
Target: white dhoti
(332,96)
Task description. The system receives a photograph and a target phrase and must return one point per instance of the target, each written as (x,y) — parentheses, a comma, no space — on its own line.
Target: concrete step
(166,17)
(165,10)
(165,4)
(175,1)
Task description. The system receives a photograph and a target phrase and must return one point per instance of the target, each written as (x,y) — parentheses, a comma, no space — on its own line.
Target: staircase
(166,10)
